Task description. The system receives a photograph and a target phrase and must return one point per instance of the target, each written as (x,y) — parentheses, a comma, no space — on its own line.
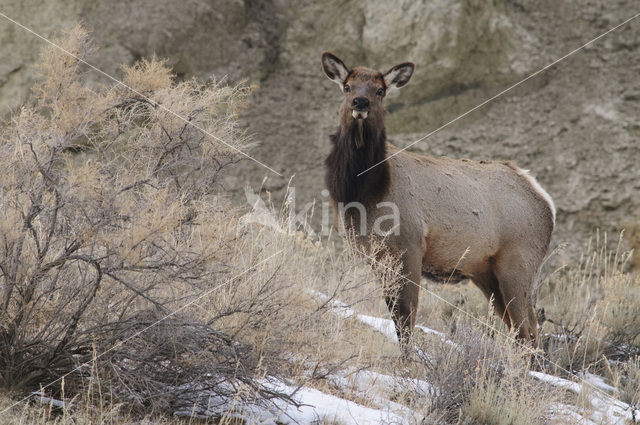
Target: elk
(488,221)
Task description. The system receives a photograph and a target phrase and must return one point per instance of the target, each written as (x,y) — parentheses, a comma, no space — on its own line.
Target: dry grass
(124,269)
(83,414)
(483,378)
(593,311)
(592,326)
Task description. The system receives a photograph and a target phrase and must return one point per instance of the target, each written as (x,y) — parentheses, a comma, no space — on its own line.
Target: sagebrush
(122,265)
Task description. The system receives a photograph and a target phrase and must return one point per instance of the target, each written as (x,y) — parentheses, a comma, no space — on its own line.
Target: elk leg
(403,303)
(516,287)
(489,285)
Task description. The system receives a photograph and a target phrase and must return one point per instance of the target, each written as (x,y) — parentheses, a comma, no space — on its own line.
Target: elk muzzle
(360,106)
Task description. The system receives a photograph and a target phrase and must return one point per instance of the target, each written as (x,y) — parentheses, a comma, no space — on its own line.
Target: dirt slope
(574,126)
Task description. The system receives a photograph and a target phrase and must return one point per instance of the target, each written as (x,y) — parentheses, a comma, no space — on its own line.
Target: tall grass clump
(123,269)
(483,378)
(592,310)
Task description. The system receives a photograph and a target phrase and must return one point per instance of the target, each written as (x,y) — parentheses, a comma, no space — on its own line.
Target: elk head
(364,88)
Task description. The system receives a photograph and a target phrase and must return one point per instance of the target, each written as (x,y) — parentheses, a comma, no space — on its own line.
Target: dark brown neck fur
(346,161)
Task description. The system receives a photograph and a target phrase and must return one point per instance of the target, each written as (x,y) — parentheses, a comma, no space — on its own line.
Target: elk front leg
(402,301)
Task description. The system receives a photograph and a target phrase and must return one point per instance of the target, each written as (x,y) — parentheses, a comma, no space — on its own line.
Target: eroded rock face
(20,49)
(574,126)
(198,38)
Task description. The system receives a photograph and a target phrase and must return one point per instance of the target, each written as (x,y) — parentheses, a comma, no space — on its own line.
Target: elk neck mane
(353,153)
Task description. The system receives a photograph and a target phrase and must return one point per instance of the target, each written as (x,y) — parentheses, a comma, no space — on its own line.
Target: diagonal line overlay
(503,92)
(534,352)
(153,102)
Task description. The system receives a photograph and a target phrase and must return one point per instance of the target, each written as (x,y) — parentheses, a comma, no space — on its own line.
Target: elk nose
(360,103)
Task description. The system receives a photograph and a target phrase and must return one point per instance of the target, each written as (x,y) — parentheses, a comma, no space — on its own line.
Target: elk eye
(347,89)
(380,92)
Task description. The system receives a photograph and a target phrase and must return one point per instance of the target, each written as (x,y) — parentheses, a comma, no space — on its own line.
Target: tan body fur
(459,218)
(487,221)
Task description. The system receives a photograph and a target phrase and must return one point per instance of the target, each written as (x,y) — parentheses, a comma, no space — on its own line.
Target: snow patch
(385,326)
(598,382)
(606,409)
(316,406)
(560,411)
(369,383)
(375,393)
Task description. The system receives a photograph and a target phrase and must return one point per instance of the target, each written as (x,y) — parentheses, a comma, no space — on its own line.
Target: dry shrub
(101,196)
(125,272)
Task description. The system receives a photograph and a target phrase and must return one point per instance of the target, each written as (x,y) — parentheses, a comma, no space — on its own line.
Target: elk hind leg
(516,282)
(489,285)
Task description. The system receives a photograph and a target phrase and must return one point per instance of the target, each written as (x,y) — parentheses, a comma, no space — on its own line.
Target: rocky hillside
(574,126)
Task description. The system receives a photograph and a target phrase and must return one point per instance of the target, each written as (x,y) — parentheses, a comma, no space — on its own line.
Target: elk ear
(399,75)
(335,69)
